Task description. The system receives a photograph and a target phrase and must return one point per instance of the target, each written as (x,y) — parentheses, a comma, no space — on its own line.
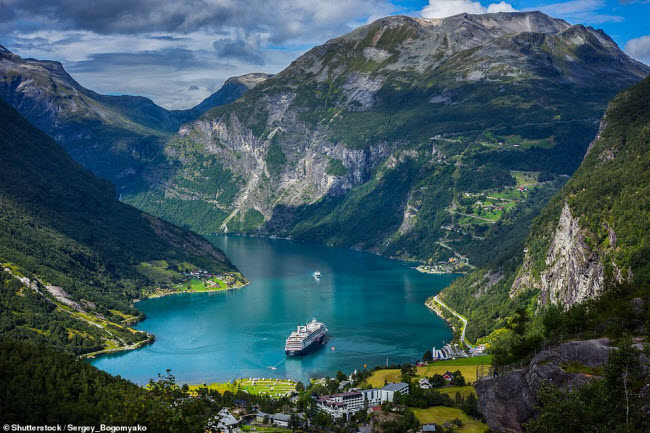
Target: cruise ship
(305,339)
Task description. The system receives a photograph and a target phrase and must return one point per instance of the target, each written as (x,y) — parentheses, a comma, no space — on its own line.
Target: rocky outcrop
(574,271)
(510,400)
(231,90)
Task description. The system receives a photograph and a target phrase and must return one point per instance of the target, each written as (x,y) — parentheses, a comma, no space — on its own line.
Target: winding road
(462,319)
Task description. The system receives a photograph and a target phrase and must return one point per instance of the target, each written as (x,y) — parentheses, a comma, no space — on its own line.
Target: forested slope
(71,251)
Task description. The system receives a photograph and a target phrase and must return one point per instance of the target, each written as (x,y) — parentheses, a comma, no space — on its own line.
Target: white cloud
(639,48)
(446,8)
(500,7)
(162,48)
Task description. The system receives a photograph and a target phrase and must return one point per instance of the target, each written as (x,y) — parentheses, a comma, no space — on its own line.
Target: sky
(178,52)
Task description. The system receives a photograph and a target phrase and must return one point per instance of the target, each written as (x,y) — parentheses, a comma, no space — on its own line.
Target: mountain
(590,242)
(113,136)
(231,90)
(74,257)
(414,138)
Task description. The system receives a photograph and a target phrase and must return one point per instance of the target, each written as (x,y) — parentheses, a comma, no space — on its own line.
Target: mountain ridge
(300,154)
(113,136)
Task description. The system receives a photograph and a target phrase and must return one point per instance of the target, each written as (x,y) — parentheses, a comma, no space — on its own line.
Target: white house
(281,419)
(344,404)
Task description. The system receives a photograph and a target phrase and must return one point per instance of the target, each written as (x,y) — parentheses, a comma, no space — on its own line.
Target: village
(457,264)
(438,392)
(197,281)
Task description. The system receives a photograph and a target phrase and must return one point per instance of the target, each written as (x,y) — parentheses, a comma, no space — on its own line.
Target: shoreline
(92,355)
(162,295)
(151,337)
(436,305)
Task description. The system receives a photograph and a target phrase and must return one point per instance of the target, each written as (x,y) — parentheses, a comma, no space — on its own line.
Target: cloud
(245,49)
(281,19)
(500,7)
(639,48)
(160,48)
(446,8)
(580,11)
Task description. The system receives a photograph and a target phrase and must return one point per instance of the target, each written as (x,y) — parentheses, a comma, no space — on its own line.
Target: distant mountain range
(384,139)
(113,136)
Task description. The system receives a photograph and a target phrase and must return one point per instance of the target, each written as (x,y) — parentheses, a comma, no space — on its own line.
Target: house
(281,419)
(225,421)
(424,383)
(262,417)
(448,376)
(480,348)
(429,427)
(241,403)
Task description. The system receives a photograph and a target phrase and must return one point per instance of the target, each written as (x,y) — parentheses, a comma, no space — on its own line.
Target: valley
(462,202)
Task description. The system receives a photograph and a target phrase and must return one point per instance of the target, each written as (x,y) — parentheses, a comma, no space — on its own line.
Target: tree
(458,379)
(623,375)
(340,376)
(294,421)
(437,381)
(469,406)
(428,356)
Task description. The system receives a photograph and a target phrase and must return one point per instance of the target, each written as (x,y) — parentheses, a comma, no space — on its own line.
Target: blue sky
(177,52)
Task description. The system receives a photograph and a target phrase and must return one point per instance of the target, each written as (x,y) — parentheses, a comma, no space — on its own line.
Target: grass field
(197,285)
(270,387)
(441,414)
(452,390)
(467,367)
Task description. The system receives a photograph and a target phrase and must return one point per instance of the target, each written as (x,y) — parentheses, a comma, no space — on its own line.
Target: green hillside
(70,251)
(608,195)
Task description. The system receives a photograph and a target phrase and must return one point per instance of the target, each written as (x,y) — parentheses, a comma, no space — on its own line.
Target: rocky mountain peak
(232,89)
(249,80)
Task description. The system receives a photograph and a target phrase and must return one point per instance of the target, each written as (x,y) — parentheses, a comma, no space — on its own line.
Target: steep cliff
(441,127)
(592,236)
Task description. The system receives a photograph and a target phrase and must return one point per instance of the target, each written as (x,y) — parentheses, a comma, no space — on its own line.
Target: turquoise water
(372,306)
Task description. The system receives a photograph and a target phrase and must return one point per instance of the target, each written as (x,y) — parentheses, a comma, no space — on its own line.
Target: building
(261,417)
(426,428)
(225,421)
(424,383)
(281,419)
(448,376)
(344,404)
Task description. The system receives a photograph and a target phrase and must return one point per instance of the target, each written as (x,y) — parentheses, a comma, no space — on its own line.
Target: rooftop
(281,417)
(394,386)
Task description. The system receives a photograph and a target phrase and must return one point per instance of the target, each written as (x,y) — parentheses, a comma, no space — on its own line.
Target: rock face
(379,119)
(509,400)
(573,272)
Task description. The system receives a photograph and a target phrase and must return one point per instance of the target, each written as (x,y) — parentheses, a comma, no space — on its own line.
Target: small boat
(317,274)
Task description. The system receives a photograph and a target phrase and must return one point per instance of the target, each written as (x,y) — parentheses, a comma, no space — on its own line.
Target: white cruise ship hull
(308,349)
